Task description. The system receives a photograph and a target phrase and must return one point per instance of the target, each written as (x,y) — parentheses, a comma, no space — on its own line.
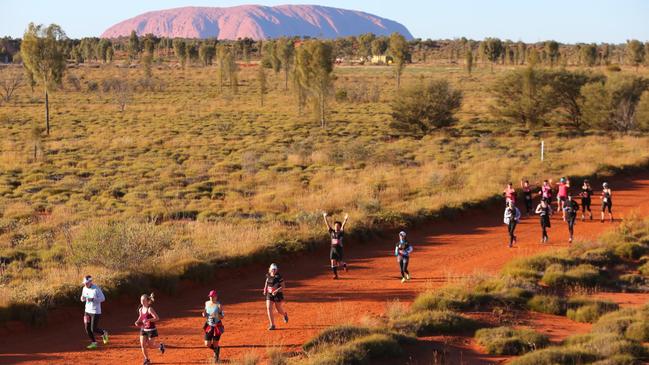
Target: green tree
(180,50)
(635,53)
(102,49)
(271,56)
(611,105)
(589,54)
(605,54)
(642,113)
(110,52)
(285,54)
(423,107)
(365,45)
(262,83)
(379,46)
(493,48)
(552,52)
(566,91)
(316,74)
(523,96)
(469,61)
(206,53)
(43,53)
(399,50)
(133,46)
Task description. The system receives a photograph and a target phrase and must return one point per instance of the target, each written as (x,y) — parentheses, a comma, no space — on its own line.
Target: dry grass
(231,178)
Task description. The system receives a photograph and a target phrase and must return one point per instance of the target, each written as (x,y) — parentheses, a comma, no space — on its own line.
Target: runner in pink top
(562,195)
(510,194)
(546,192)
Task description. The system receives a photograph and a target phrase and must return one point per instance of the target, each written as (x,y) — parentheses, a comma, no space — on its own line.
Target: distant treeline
(350,49)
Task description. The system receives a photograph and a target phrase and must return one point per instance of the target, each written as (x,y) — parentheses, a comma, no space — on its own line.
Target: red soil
(473,242)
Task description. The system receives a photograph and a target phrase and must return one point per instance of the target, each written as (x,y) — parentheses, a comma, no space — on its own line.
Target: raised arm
(342,228)
(324,215)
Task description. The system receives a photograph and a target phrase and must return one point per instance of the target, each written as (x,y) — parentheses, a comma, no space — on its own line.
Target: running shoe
(104,337)
(271,327)
(407,276)
(403,280)
(92,346)
(345,267)
(285,317)
(162,348)
(570,240)
(335,277)
(146,362)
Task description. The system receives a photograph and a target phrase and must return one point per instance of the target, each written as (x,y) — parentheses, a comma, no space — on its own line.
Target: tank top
(336,237)
(563,190)
(586,192)
(214,313)
(606,196)
(545,211)
(546,191)
(145,318)
(528,193)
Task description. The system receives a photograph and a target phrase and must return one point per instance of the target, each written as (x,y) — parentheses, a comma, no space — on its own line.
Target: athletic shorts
(149,334)
(607,205)
(562,198)
(336,253)
(585,202)
(279,297)
(213,332)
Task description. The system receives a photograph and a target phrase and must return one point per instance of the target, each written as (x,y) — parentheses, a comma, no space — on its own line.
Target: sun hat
(212,294)
(87,279)
(402,233)
(272,267)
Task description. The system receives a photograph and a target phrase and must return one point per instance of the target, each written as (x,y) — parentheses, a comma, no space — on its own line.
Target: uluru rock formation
(257,22)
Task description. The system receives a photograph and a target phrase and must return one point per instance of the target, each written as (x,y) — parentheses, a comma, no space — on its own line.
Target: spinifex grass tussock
(510,341)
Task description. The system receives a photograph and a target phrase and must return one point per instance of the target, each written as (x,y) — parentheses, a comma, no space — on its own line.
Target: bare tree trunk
(322,110)
(47,112)
(286,80)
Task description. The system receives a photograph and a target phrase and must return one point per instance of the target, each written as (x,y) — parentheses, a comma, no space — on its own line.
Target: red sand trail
(472,242)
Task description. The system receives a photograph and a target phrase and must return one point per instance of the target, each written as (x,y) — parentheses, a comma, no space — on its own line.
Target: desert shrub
(424,107)
(429,323)
(638,330)
(630,250)
(447,298)
(599,256)
(588,310)
(615,322)
(607,345)
(550,304)
(555,355)
(336,335)
(509,341)
(585,274)
(632,280)
(358,351)
(617,360)
(73,81)
(613,67)
(121,246)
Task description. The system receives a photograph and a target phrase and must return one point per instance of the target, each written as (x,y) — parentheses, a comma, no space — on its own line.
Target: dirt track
(473,242)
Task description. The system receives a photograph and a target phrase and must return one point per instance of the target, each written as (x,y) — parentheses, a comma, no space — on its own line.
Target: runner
(274,292)
(527,194)
(336,254)
(213,326)
(402,252)
(607,201)
(92,296)
(546,192)
(146,319)
(586,196)
(544,211)
(510,194)
(511,219)
(571,209)
(562,195)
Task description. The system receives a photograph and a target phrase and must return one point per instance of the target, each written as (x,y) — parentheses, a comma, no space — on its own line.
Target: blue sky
(527,20)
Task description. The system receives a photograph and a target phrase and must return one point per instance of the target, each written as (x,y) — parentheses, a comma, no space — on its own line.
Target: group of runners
(274,284)
(213,328)
(566,205)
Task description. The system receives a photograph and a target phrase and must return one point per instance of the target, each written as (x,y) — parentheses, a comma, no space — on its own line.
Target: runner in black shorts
(527,196)
(274,292)
(336,253)
(213,327)
(571,208)
(147,317)
(586,198)
(402,251)
(544,211)
(607,201)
